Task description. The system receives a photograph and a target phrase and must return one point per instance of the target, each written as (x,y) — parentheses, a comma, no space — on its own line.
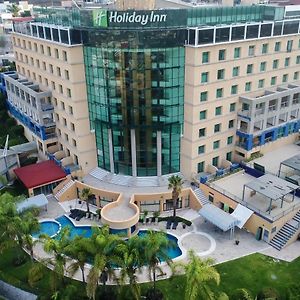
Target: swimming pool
(86,231)
(50,228)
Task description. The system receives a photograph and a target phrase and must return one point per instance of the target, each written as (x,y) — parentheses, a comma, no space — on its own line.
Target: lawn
(253,272)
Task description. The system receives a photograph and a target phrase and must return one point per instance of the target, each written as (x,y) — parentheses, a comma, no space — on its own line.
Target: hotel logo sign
(103,18)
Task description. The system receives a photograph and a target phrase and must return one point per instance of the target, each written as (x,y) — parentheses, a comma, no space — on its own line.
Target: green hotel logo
(100,17)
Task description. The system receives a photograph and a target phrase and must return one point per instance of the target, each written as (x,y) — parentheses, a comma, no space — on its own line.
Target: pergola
(293,163)
(272,187)
(219,218)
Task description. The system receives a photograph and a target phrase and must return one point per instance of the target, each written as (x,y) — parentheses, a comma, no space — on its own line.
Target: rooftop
(293,162)
(39,174)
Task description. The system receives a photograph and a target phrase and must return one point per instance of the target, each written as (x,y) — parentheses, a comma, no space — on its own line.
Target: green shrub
(241,294)
(17,130)
(29,161)
(268,293)
(10,122)
(3,114)
(13,142)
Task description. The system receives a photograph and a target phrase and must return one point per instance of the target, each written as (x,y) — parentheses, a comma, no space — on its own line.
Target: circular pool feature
(50,228)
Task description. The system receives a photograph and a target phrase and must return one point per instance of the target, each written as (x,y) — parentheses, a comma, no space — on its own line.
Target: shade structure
(242,214)
(218,217)
(35,201)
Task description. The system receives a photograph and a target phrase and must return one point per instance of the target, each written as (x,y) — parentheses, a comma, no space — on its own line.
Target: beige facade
(60,69)
(135,4)
(210,114)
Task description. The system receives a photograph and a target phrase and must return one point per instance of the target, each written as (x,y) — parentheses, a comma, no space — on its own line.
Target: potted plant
(156,215)
(145,216)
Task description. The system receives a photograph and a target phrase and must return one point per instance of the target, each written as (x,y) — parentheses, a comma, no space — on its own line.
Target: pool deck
(203,237)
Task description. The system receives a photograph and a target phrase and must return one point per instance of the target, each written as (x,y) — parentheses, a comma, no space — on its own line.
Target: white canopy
(243,214)
(35,201)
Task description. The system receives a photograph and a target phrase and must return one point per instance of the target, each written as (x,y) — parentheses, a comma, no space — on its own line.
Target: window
(56,53)
(249,68)
(202,132)
(70,110)
(277,47)
(53,85)
(237,52)
(230,140)
(232,107)
(231,124)
(42,49)
(74,143)
(69,93)
(289,45)
(221,74)
(216,144)
(234,89)
(217,128)
(46,82)
(284,77)
(273,80)
(205,57)
(202,115)
(67,76)
(218,111)
(62,104)
(72,127)
(35,47)
(229,156)
(263,66)
(248,86)
(203,96)
(66,137)
(44,65)
(287,62)
(251,50)
(49,51)
(275,63)
(58,71)
(264,49)
(51,68)
(296,75)
(201,149)
(235,71)
(215,161)
(200,167)
(60,89)
(64,121)
(65,57)
(219,93)
(298,59)
(222,54)
(204,77)
(261,83)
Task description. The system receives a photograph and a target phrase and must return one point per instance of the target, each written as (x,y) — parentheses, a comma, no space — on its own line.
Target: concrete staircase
(65,188)
(289,229)
(201,197)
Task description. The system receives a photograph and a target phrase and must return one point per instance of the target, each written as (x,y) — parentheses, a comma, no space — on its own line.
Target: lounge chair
(175,224)
(169,223)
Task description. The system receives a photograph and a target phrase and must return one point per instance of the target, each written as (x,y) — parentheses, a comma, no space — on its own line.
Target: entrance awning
(243,214)
(36,201)
(218,217)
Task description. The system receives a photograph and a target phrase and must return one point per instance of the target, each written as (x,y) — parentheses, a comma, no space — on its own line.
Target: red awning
(40,174)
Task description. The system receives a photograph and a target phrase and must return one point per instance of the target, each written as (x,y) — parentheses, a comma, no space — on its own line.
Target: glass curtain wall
(135,82)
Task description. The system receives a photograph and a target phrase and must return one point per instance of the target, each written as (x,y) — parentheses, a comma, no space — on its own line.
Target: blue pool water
(50,228)
(86,231)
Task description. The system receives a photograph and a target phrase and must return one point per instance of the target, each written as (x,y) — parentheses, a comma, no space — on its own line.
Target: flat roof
(271,186)
(292,162)
(39,174)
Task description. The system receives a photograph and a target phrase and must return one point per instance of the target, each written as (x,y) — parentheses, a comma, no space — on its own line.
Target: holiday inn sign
(103,18)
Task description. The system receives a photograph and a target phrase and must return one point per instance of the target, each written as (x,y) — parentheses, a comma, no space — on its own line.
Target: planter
(237,242)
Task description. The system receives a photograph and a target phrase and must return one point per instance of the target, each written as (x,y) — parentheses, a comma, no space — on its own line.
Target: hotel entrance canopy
(272,187)
(218,217)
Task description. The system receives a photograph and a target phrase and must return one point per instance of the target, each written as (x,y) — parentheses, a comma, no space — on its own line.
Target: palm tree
(130,254)
(101,246)
(175,183)
(85,196)
(155,250)
(77,250)
(14,9)
(56,247)
(199,273)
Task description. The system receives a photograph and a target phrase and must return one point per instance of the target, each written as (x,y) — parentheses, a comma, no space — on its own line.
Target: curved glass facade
(135,84)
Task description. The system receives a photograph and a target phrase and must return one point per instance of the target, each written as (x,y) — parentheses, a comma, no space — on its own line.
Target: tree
(199,274)
(56,247)
(155,250)
(85,196)
(13,9)
(101,247)
(130,254)
(175,183)
(77,250)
